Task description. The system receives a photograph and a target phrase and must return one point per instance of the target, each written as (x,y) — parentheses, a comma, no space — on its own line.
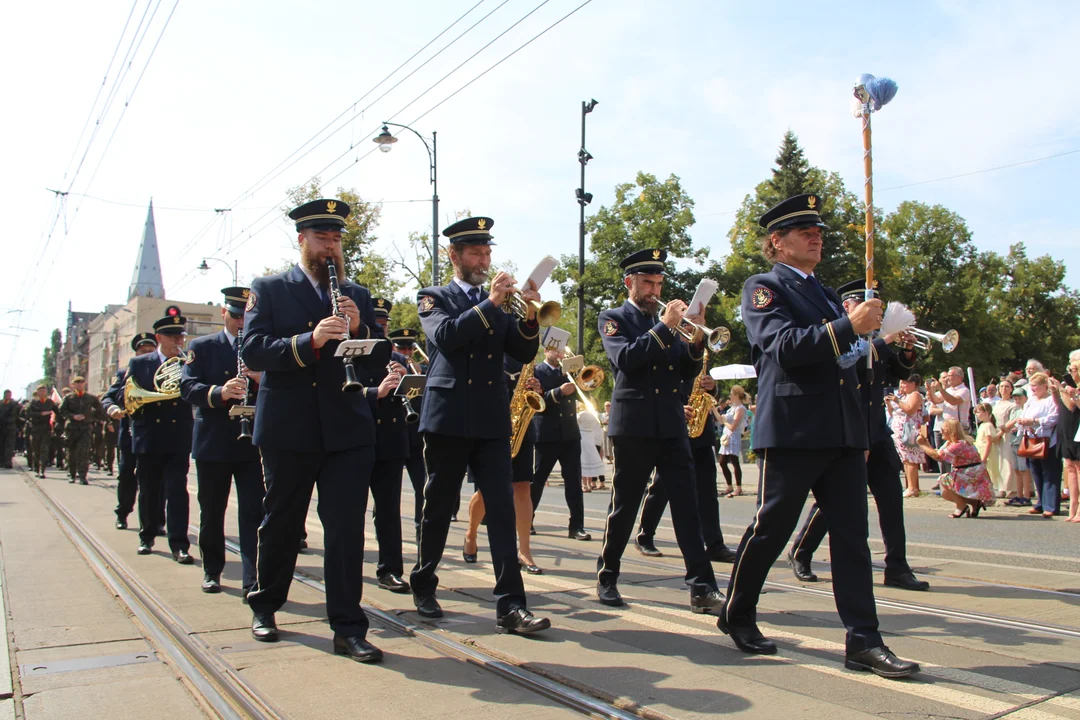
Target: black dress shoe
(393,583)
(121,523)
(801,568)
(356,648)
(709,602)
(880,661)
(182,557)
(530,569)
(646,547)
(747,637)
(520,621)
(144,549)
(264,627)
(722,553)
(579,534)
(609,595)
(303,545)
(427,606)
(906,581)
(211,583)
(469,557)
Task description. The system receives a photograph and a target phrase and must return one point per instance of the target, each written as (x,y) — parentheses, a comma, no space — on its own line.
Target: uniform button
(670,367)
(657,391)
(378,422)
(653,367)
(158,420)
(489,357)
(489,382)
(491,332)
(310,324)
(174,403)
(841,381)
(674,390)
(471,355)
(395,419)
(312,384)
(470,381)
(859,386)
(174,421)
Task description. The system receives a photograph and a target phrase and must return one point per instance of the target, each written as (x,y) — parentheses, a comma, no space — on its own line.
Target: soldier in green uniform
(57,445)
(9,419)
(38,414)
(97,449)
(80,409)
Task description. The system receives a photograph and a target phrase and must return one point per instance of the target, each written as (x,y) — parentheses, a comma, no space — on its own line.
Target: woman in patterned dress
(734,423)
(967,484)
(907,410)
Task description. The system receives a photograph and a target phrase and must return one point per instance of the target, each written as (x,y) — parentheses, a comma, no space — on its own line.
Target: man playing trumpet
(651,360)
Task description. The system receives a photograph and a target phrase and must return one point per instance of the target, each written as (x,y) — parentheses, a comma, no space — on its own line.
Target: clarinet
(245,419)
(351,384)
(411,416)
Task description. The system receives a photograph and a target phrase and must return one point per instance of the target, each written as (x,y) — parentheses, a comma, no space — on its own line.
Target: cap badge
(811,202)
(761,298)
(331,206)
(481,223)
(245,293)
(611,327)
(176,321)
(655,254)
(381,302)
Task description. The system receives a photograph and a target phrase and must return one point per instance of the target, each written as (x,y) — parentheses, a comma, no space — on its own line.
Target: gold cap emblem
(246,293)
(655,254)
(811,202)
(481,223)
(331,206)
(381,302)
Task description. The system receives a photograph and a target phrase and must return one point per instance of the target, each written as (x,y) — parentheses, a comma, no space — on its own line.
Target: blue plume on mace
(874,91)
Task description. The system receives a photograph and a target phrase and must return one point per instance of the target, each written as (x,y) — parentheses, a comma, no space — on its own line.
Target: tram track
(219,689)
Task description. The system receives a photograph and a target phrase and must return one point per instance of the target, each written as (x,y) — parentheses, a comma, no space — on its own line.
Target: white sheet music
(705,291)
(541,272)
(356,348)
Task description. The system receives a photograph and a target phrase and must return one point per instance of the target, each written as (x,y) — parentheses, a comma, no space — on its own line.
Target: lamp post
(583,199)
(204,268)
(386,141)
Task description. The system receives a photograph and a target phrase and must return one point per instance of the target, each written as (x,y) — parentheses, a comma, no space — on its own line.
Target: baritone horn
(924,339)
(716,339)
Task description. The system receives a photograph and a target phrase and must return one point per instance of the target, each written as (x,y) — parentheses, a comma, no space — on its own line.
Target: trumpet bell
(590,377)
(718,339)
(924,339)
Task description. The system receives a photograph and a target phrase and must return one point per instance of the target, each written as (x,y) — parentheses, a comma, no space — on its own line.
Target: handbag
(909,434)
(1033,448)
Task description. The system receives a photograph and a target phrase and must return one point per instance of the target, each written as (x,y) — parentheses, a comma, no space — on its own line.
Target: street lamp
(386,141)
(204,268)
(583,199)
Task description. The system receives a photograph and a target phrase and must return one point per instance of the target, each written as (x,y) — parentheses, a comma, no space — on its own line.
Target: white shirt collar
(465,287)
(553,367)
(229,335)
(640,309)
(161,357)
(800,272)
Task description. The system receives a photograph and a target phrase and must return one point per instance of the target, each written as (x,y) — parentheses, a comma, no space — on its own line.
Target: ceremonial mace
(871,94)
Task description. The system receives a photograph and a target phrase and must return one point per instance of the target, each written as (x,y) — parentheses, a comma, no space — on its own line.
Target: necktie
(814,283)
(474,296)
(325,297)
(234,344)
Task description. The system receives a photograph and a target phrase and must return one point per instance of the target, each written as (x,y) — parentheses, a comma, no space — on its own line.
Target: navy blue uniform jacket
(391,432)
(211,363)
(158,427)
(301,406)
(466,394)
(114,397)
(650,365)
(805,399)
(558,422)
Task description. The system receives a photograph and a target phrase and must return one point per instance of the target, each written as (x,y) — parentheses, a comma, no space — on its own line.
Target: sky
(703,90)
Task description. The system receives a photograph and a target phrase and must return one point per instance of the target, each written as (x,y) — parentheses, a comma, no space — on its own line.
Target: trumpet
(924,339)
(547,313)
(585,378)
(716,339)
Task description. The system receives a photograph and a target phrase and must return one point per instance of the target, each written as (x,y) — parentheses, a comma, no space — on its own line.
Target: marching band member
(812,432)
(405,340)
(466,416)
(308,430)
(211,383)
(648,425)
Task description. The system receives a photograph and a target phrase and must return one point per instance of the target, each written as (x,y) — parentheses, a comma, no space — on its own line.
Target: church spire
(146,280)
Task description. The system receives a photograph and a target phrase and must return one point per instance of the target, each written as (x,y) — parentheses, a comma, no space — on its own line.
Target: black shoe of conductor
(906,581)
(520,621)
(356,648)
(801,568)
(211,583)
(609,595)
(393,583)
(579,534)
(880,661)
(706,602)
(646,547)
(264,627)
(747,637)
(427,606)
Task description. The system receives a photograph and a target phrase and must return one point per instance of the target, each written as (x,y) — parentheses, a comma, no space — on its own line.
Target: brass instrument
(924,339)
(547,313)
(716,339)
(585,378)
(423,355)
(351,384)
(523,405)
(166,385)
(701,401)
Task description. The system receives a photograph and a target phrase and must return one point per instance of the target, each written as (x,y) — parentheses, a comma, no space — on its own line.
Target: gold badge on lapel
(426,303)
(611,327)
(761,298)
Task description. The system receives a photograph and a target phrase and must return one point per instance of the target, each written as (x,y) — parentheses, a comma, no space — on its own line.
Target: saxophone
(523,405)
(701,402)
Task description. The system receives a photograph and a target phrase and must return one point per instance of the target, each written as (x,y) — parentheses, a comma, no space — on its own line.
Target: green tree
(358,237)
(49,357)
(647,213)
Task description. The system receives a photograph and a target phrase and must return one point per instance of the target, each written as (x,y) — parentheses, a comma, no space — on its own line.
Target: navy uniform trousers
(418,478)
(162,480)
(215,486)
(568,454)
(883,477)
(635,458)
(126,485)
(386,497)
(708,507)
